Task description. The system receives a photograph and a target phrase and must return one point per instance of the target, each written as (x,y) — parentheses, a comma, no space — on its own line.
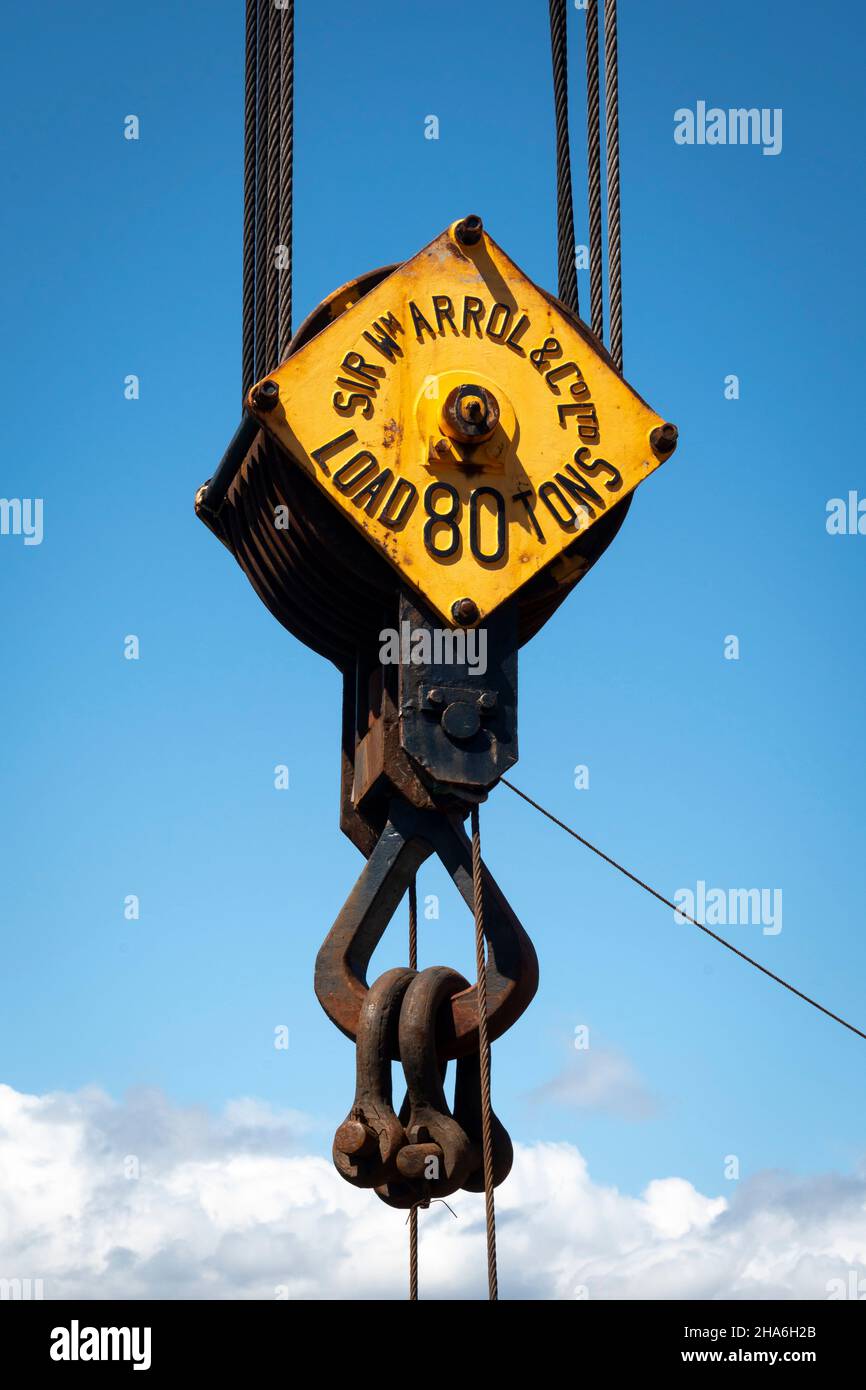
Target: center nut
(470,414)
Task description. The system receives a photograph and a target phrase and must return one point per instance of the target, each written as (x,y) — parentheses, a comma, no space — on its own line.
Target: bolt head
(468,232)
(412,1160)
(461,720)
(470,413)
(353,1138)
(464,611)
(664,439)
(472,409)
(266,396)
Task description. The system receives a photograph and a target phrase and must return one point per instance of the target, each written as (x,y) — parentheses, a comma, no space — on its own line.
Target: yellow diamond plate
(367,408)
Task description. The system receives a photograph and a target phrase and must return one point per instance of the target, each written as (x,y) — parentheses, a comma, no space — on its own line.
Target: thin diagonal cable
(614,218)
(287,155)
(593,130)
(264,7)
(567,273)
(695,923)
(413,1214)
(248,321)
(484,1054)
(275,31)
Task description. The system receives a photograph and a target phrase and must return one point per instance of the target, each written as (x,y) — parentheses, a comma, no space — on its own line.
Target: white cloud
(599,1079)
(231,1207)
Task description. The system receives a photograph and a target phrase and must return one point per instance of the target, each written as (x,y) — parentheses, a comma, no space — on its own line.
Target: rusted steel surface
(429,1120)
(409,838)
(367,1142)
(426,1151)
(467,1113)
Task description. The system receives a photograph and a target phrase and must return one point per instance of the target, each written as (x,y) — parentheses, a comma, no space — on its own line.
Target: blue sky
(155,777)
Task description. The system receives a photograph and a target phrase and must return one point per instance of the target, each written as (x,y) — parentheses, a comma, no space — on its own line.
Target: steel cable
(593,130)
(272,197)
(614,229)
(695,923)
(567,251)
(262,102)
(484,1055)
(248,322)
(413,1214)
(269,100)
(287,155)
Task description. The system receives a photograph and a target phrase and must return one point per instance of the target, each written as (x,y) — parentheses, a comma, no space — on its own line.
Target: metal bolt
(266,396)
(471,409)
(470,413)
(464,611)
(435,697)
(664,439)
(487,699)
(461,720)
(468,232)
(412,1160)
(442,446)
(355,1139)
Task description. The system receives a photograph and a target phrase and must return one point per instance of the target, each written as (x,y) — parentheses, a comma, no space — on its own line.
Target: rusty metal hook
(409,837)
